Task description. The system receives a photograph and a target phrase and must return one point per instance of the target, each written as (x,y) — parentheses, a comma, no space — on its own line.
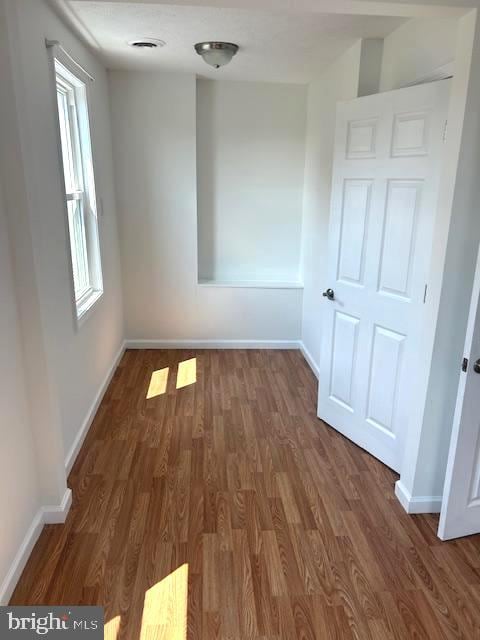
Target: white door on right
(460,515)
(386,174)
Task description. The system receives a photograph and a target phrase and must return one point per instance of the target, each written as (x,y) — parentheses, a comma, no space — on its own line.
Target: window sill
(250,284)
(86,304)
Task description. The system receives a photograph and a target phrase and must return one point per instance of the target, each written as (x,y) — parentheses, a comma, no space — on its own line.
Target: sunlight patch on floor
(111,629)
(165,608)
(158,383)
(187,373)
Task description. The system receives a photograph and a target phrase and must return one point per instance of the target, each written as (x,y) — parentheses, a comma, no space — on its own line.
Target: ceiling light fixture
(216,54)
(146,43)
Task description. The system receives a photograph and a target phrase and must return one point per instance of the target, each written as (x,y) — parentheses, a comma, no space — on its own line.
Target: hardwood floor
(225,509)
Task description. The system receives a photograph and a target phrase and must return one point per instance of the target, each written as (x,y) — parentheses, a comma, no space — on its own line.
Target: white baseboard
(21,558)
(417,504)
(212,344)
(77,444)
(309,358)
(55,514)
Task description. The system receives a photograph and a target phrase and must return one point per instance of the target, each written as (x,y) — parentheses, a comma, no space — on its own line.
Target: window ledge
(86,304)
(250,284)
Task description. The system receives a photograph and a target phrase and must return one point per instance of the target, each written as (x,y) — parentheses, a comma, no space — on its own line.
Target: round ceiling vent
(146,43)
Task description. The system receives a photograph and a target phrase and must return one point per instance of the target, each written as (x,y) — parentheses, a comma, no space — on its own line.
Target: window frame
(73,83)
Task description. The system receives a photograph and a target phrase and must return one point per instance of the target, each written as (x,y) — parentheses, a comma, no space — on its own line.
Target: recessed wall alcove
(250,171)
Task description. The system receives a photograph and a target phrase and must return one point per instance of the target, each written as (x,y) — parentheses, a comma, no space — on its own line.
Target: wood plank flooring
(224,509)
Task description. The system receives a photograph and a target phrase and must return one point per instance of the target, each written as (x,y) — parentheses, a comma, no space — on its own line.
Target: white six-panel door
(384,195)
(460,515)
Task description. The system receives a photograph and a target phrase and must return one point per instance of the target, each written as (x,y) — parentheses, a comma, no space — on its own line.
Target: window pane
(78,243)
(67,142)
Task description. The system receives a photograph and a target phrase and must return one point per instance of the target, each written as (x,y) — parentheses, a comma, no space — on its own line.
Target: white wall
(338,82)
(19,494)
(412,51)
(48,439)
(50,372)
(78,359)
(250,162)
(371,58)
(154,134)
(415,49)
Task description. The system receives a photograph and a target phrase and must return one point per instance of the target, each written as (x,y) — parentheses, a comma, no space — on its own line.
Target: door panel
(398,244)
(345,344)
(385,369)
(354,222)
(388,151)
(361,138)
(460,514)
(475,492)
(410,134)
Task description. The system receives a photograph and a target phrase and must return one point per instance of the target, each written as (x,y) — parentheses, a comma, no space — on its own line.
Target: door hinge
(445,131)
(425,294)
(465,364)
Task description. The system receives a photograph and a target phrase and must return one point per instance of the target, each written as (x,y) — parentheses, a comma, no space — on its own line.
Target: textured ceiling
(274,47)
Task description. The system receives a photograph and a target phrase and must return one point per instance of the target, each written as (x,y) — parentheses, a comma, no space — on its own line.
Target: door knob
(476,366)
(330,294)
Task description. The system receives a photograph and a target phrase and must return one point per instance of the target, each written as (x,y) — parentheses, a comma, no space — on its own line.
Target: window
(79,188)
